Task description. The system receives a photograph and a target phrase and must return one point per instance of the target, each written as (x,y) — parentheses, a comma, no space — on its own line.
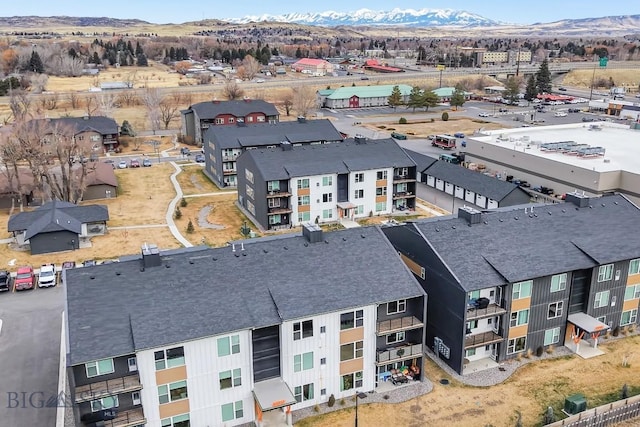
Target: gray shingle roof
(422,161)
(553,239)
(214,291)
(328,158)
(102,125)
(212,109)
(264,134)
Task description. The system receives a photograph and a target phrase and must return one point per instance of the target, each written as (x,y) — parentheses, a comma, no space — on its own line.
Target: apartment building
(240,334)
(518,279)
(199,117)
(102,132)
(287,186)
(223,144)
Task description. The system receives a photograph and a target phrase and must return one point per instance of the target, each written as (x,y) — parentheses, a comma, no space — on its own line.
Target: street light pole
(593,78)
(361,396)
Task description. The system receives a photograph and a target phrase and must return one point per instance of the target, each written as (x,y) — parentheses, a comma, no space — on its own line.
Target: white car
(560,114)
(484,114)
(47,276)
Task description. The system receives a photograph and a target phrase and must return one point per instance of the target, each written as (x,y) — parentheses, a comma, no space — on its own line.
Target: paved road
(29,356)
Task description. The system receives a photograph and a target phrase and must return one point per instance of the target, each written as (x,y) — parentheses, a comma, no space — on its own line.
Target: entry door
(494,351)
(496,325)
(580,284)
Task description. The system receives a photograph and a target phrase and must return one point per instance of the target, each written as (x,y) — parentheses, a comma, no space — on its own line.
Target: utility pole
(518,62)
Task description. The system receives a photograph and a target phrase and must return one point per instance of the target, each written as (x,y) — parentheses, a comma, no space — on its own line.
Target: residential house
(216,348)
(19,191)
(514,280)
(223,144)
(100,182)
(58,226)
(361,96)
(199,117)
(287,186)
(102,132)
(318,67)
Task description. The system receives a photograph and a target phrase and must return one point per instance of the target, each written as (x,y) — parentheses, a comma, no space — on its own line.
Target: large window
(228,345)
(302,362)
(516,345)
(601,300)
(99,367)
(327,181)
(352,319)
(302,329)
(381,191)
(395,337)
(327,213)
(629,317)
(104,403)
(359,177)
(177,421)
(381,175)
(381,206)
(559,282)
(169,358)
(605,272)
(303,183)
(358,194)
(232,411)
(519,318)
(327,197)
(634,266)
(352,350)
(551,336)
(304,200)
(555,310)
(522,289)
(304,216)
(350,381)
(632,292)
(172,392)
(231,378)
(303,392)
(273,186)
(397,306)
(248,175)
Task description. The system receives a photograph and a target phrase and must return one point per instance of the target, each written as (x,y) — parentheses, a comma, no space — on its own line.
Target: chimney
(312,232)
(580,200)
(473,216)
(286,146)
(359,139)
(302,119)
(151,256)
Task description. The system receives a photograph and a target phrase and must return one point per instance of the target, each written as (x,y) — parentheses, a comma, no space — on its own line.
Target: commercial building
(516,280)
(239,334)
(360,96)
(287,186)
(318,67)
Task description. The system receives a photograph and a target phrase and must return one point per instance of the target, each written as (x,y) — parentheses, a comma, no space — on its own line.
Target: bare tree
(91,105)
(251,67)
(106,104)
(168,111)
(287,101)
(49,101)
(304,100)
(20,104)
(38,82)
(151,100)
(74,100)
(10,156)
(232,90)
(128,98)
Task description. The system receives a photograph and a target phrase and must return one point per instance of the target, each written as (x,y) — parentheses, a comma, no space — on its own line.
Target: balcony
(403,195)
(403,178)
(274,194)
(401,324)
(229,172)
(483,338)
(399,353)
(279,210)
(93,391)
(134,417)
(230,158)
(490,311)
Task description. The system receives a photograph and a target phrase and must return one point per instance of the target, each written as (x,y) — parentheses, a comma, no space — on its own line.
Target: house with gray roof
(282,332)
(100,131)
(58,226)
(199,117)
(223,144)
(512,280)
(288,185)
(361,96)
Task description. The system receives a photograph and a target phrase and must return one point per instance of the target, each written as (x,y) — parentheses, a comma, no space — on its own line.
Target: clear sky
(165,11)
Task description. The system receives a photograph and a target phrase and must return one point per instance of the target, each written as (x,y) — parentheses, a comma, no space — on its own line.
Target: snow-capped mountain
(406,17)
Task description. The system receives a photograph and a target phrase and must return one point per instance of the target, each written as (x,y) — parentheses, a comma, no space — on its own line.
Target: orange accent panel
(520,304)
(304,191)
(382,183)
(258,410)
(171,375)
(351,366)
(351,335)
(381,199)
(304,208)
(634,279)
(518,331)
(413,266)
(567,332)
(174,408)
(630,305)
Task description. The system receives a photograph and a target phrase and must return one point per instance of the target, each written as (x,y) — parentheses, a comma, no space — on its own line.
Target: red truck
(25,279)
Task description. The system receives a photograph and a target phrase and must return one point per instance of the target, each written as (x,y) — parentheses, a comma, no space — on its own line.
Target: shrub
(316,408)
(332,401)
(177,214)
(550,349)
(402,121)
(342,402)
(624,393)
(616,331)
(190,228)
(445,116)
(183,203)
(539,351)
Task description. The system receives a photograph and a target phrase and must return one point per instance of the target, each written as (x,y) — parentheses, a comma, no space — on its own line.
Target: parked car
(364,78)
(5,281)
(459,135)
(185,151)
(484,114)
(47,276)
(560,114)
(122,164)
(562,89)
(89,263)
(503,110)
(200,158)
(25,279)
(588,119)
(573,110)
(398,135)
(146,163)
(134,163)
(110,162)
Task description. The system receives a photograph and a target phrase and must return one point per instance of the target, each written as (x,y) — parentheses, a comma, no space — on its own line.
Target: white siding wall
(492,204)
(448,188)
(481,353)
(431,181)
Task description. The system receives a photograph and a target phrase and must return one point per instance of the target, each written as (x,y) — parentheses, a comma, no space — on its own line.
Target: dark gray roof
(553,239)
(116,309)
(56,216)
(102,125)
(422,161)
(277,163)
(477,182)
(264,134)
(242,108)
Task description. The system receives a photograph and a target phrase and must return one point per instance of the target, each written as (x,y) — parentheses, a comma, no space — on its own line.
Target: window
(232,411)
(327,197)
(327,213)
(470,352)
(273,186)
(522,289)
(249,175)
(233,120)
(249,191)
(555,310)
(381,175)
(303,183)
(359,177)
(551,336)
(177,421)
(219,121)
(323,329)
(327,181)
(104,403)
(358,194)
(352,319)
(229,379)
(303,392)
(605,272)
(133,364)
(251,208)
(472,324)
(473,295)
(350,381)
(274,203)
(395,337)
(304,216)
(135,398)
(228,345)
(323,361)
(304,200)
(397,306)
(172,392)
(302,362)
(632,292)
(516,345)
(629,317)
(601,300)
(302,329)
(381,206)
(381,191)
(634,266)
(275,219)
(559,282)
(353,350)
(99,367)
(323,392)
(519,318)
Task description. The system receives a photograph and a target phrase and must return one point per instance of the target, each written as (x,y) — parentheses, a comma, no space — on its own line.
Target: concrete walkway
(219,193)
(172,208)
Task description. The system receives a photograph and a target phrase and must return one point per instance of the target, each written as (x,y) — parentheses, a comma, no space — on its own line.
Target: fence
(605,415)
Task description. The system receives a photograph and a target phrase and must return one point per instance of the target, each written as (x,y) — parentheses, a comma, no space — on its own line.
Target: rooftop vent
(151,256)
(578,199)
(286,146)
(359,139)
(473,216)
(312,232)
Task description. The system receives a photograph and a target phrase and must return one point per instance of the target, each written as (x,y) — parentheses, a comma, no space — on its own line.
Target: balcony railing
(399,353)
(229,171)
(273,194)
(484,338)
(231,158)
(401,324)
(403,195)
(279,210)
(403,178)
(130,418)
(490,311)
(100,389)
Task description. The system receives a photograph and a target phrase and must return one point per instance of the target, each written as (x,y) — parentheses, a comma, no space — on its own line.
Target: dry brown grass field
(192,180)
(458,122)
(582,78)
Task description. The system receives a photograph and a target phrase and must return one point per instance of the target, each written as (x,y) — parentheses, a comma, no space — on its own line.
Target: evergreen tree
(142,60)
(395,98)
(543,78)
(72,53)
(416,98)
(139,50)
(512,90)
(457,99)
(531,91)
(430,99)
(172,53)
(126,129)
(35,63)
(298,53)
